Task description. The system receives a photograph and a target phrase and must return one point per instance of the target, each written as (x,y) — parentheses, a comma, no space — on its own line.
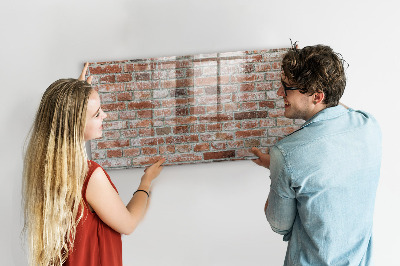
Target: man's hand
(263,158)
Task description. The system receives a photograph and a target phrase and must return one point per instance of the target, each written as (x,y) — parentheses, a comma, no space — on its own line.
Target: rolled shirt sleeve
(281,210)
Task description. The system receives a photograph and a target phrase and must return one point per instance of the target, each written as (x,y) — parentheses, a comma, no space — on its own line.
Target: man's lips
(287,104)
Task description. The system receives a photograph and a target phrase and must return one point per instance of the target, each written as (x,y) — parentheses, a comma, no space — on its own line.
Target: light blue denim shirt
(324,178)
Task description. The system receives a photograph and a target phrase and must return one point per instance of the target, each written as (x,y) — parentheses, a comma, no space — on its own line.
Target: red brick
(129,133)
(262,67)
(127,115)
(163,112)
(267,122)
(111,134)
(182,139)
(109,87)
(140,123)
(116,163)
(123,77)
(247,87)
(141,105)
(228,89)
(249,124)
(218,145)
(281,131)
(283,122)
(249,106)
(107,79)
(244,97)
(149,150)
(235,144)
(113,144)
(205,81)
(198,128)
(151,141)
(145,114)
(252,143)
(267,104)
(124,96)
(98,154)
(231,125)
(218,155)
(210,71)
(167,149)
(146,132)
(255,58)
(105,69)
(184,158)
(276,65)
(114,125)
(276,112)
(231,107)
(146,160)
(178,83)
(244,153)
(167,65)
(175,74)
(185,120)
(111,116)
(249,133)
(246,68)
(224,136)
(181,129)
(114,153)
(182,111)
(212,109)
(132,152)
(273,75)
(140,67)
(214,127)
(163,131)
(268,141)
(197,110)
(215,118)
(201,147)
(183,148)
(142,95)
(113,106)
(247,78)
(251,115)
(142,76)
(107,97)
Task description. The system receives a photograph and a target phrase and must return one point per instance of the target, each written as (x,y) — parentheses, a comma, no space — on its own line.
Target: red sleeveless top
(95,242)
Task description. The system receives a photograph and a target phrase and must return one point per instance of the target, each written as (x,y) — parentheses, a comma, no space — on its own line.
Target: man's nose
(280,91)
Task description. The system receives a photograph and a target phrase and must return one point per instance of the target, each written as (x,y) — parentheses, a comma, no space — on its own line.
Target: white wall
(206,214)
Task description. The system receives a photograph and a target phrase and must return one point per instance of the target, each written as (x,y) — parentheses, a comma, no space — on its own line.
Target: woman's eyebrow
(97,111)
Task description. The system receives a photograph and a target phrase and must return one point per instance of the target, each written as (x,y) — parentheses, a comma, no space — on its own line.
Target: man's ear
(318,97)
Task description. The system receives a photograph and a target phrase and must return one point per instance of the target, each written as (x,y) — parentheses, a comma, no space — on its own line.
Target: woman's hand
(152,172)
(83,74)
(263,158)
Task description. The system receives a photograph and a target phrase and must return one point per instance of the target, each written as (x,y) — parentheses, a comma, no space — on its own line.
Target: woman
(73,213)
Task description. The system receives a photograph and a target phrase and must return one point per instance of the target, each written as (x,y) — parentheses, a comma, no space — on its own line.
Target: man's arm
(280,208)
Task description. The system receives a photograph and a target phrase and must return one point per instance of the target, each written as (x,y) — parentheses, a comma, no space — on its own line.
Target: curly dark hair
(316,69)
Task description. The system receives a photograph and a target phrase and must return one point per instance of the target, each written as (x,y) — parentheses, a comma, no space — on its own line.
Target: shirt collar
(326,114)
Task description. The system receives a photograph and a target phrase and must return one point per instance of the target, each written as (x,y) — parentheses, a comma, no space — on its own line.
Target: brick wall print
(189,109)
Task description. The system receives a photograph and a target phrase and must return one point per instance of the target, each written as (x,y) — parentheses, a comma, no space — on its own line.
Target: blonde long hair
(55,167)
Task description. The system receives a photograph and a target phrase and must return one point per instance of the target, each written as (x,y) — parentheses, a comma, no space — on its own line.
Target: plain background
(200,214)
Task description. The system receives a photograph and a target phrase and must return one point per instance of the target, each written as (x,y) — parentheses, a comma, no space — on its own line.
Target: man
(323,176)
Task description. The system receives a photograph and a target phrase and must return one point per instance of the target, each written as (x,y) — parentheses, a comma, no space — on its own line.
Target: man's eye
(97,115)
